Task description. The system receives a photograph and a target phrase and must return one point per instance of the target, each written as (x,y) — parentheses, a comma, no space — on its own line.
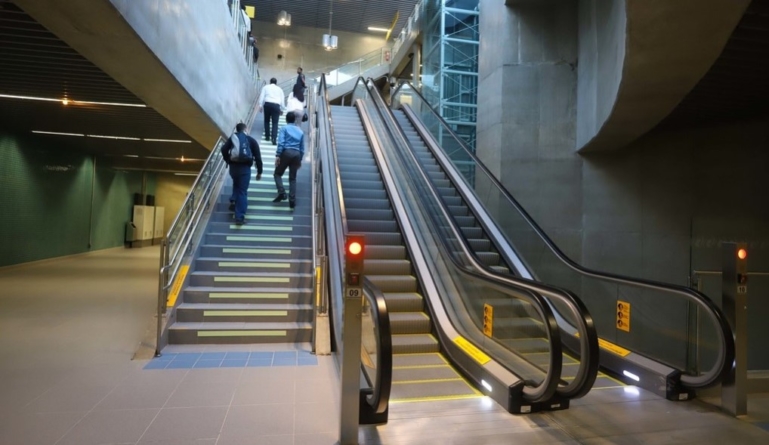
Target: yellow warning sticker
(177,287)
(620,351)
(472,351)
(623,316)
(609,346)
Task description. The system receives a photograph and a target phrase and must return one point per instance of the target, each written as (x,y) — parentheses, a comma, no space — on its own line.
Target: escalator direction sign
(471,350)
(623,316)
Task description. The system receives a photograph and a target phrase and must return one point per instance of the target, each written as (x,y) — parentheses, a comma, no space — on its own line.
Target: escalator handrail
(725,353)
(588,336)
(379,398)
(549,385)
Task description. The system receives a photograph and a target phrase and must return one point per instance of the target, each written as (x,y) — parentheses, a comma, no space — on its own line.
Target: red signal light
(354,248)
(742,253)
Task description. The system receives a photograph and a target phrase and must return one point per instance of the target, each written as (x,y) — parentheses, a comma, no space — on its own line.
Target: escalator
(514,326)
(420,372)
(435,299)
(662,358)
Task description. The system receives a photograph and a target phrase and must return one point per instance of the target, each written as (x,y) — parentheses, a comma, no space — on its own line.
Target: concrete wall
(602,26)
(644,56)
(301,46)
(198,44)
(655,210)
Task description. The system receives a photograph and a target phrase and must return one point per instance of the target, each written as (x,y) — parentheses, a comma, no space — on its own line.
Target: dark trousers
(271,116)
(292,160)
(241,176)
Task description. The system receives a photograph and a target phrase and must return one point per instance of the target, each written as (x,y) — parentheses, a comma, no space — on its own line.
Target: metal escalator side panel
(449,333)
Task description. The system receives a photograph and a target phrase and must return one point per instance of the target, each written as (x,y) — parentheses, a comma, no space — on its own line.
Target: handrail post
(161,293)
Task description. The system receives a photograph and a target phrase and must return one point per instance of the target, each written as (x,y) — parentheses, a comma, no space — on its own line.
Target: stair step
(230,253)
(241,295)
(239,333)
(248,265)
(251,280)
(251,313)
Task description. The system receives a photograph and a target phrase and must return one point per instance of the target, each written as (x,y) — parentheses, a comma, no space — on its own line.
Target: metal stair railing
(182,236)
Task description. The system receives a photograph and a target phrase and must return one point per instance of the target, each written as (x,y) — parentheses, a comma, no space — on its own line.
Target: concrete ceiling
(349,15)
(737,85)
(36,63)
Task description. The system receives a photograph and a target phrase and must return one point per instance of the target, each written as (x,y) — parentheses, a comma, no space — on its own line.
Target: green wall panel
(45,201)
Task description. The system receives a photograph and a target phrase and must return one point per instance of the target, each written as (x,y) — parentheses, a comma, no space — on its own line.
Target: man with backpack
(240,152)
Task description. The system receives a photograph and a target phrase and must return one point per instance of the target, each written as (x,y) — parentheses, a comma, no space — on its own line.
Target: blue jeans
(293,160)
(241,177)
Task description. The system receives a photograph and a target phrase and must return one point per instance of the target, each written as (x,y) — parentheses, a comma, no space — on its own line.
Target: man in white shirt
(270,100)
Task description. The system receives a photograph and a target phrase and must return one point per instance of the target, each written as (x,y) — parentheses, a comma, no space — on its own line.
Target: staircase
(252,283)
(420,371)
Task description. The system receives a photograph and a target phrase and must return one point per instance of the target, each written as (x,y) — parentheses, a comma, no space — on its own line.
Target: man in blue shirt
(289,154)
(240,171)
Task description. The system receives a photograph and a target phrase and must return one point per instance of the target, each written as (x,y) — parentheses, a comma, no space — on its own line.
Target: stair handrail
(184,228)
(726,353)
(588,336)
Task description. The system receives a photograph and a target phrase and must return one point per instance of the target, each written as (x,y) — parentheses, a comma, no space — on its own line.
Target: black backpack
(240,151)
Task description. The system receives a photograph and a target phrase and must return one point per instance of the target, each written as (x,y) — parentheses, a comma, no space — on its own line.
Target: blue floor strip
(208,360)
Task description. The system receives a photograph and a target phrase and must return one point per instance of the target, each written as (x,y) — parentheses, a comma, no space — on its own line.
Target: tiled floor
(69,328)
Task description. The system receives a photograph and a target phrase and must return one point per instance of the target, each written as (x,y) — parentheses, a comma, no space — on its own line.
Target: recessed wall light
(57,133)
(122,138)
(178,141)
(67,101)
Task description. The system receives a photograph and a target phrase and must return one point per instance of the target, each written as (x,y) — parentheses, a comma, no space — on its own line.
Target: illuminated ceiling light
(57,133)
(375,28)
(131,156)
(178,141)
(182,158)
(122,138)
(186,174)
(173,159)
(67,101)
(330,41)
(284,18)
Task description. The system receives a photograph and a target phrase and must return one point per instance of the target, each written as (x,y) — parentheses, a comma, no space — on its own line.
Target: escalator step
(385,252)
(352,201)
(371,226)
(387,267)
(414,343)
(394,283)
(404,302)
(409,323)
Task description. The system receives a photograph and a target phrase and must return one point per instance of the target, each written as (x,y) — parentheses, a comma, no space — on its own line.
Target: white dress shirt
(273,94)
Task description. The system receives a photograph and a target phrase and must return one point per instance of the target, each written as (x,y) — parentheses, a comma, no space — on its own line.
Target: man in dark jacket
(240,172)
